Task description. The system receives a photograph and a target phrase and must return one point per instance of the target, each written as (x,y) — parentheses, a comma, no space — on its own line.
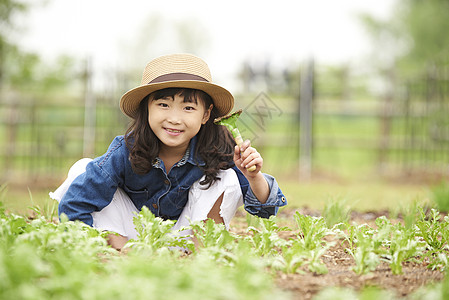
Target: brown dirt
(339,264)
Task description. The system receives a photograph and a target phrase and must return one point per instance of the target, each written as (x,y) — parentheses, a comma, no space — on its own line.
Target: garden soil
(339,264)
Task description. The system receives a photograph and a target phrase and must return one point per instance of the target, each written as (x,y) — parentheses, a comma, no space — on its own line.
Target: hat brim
(223,99)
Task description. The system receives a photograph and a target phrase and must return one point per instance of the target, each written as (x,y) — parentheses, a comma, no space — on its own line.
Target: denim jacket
(164,194)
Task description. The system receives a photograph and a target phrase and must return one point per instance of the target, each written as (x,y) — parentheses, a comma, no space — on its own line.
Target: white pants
(118,215)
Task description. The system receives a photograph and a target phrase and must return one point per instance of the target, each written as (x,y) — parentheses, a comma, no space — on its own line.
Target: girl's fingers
(255,162)
(237,157)
(236,152)
(247,156)
(245,145)
(250,157)
(252,161)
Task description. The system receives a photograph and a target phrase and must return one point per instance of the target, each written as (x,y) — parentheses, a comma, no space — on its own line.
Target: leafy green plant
(70,260)
(312,230)
(368,293)
(402,246)
(336,211)
(435,233)
(393,243)
(314,262)
(3,190)
(215,241)
(432,230)
(211,234)
(410,214)
(49,210)
(310,244)
(41,259)
(289,261)
(435,291)
(440,195)
(365,246)
(153,233)
(264,236)
(11,226)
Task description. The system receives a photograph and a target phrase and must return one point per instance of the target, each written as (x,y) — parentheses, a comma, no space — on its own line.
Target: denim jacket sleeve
(94,189)
(275,199)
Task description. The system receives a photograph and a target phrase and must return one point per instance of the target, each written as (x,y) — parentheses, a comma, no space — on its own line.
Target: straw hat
(176,70)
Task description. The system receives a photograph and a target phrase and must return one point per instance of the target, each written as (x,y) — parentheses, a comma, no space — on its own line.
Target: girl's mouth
(171,131)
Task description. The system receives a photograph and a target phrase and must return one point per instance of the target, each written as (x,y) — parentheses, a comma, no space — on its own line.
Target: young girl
(173,159)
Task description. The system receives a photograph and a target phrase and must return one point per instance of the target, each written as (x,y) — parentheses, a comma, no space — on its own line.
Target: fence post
(305,121)
(89,112)
(12,129)
(386,116)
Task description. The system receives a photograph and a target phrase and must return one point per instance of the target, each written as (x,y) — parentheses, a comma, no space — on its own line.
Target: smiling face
(176,119)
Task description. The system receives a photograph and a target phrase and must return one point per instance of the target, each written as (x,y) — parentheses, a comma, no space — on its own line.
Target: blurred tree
(8,9)
(427,23)
(412,42)
(25,71)
(191,37)
(332,82)
(159,35)
(414,37)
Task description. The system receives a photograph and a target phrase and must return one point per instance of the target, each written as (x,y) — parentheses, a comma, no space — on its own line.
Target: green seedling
(230,122)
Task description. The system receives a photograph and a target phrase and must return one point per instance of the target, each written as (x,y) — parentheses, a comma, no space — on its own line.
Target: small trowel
(229,121)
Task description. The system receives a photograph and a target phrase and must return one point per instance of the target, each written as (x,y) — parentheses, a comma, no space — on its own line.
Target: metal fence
(425,114)
(39,141)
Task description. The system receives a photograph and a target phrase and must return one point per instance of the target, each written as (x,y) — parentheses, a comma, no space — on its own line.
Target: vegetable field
(296,255)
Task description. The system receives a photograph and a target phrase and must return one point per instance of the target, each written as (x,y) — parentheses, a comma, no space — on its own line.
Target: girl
(172,159)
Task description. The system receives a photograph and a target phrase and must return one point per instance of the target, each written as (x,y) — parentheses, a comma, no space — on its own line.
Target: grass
(440,195)
(336,211)
(22,200)
(345,158)
(361,196)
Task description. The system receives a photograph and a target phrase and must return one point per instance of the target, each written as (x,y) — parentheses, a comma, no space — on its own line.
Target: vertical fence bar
(305,122)
(12,130)
(407,141)
(386,115)
(89,113)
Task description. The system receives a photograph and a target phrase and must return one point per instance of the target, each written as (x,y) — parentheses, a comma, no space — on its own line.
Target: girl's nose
(174,117)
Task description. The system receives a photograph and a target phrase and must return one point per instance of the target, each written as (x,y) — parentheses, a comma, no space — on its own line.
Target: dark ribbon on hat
(176,77)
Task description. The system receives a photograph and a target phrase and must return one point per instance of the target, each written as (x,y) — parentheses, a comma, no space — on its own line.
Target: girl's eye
(163,104)
(189,108)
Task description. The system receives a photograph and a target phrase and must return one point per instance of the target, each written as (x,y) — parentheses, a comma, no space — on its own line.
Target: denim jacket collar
(194,159)
(190,156)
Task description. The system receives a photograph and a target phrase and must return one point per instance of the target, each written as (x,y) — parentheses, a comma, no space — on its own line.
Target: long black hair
(215,144)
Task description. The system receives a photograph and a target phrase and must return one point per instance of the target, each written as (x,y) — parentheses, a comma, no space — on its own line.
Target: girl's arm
(93,189)
(245,157)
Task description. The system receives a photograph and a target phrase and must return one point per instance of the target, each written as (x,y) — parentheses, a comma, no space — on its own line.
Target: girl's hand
(247,156)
